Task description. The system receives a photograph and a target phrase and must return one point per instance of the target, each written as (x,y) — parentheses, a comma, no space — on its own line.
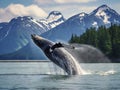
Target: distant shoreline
(24,61)
(21,61)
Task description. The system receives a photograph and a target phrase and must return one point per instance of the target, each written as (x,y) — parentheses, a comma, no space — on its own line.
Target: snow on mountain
(106,14)
(55,18)
(17,33)
(77,24)
(82,15)
(94,24)
(15,36)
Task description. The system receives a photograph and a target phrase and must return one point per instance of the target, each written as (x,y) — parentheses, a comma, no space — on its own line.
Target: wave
(87,72)
(103,73)
(109,72)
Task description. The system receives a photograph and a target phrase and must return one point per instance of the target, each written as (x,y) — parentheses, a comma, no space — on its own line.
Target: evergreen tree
(106,39)
(115,40)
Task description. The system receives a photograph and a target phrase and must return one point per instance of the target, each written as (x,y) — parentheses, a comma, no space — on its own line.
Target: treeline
(106,39)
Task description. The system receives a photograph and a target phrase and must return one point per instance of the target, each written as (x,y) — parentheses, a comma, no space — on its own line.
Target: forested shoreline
(105,39)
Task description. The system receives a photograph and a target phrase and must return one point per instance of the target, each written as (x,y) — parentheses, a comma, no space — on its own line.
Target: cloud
(74,1)
(61,1)
(44,2)
(15,10)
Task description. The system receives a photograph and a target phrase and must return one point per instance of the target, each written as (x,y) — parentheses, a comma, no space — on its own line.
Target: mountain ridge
(77,24)
(17,32)
(15,36)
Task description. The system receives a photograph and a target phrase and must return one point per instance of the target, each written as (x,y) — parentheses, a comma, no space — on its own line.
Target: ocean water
(47,76)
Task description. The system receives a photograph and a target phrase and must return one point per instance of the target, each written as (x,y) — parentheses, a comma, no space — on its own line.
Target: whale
(58,55)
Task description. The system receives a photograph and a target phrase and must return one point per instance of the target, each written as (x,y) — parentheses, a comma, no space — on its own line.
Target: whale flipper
(84,53)
(58,55)
(66,56)
(57,45)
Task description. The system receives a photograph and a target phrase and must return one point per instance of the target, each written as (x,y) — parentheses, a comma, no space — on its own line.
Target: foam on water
(80,53)
(102,73)
(107,72)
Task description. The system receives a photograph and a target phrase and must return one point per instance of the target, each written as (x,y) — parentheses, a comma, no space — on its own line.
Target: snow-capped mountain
(106,14)
(54,18)
(15,39)
(16,35)
(77,24)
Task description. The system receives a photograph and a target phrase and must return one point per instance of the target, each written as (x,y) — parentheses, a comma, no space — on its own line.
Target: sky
(41,8)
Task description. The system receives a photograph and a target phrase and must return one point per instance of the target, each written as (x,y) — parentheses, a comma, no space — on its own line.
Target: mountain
(2,25)
(17,33)
(28,52)
(15,39)
(77,24)
(15,36)
(54,18)
(106,14)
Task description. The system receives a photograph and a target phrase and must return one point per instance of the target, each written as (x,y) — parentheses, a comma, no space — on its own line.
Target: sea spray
(73,64)
(60,56)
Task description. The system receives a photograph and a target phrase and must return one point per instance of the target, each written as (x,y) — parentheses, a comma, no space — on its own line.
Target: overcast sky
(41,8)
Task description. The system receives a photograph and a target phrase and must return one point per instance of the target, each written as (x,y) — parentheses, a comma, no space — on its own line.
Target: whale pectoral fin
(57,45)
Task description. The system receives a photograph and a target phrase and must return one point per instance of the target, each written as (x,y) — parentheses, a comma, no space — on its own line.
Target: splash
(102,73)
(110,72)
(67,56)
(73,64)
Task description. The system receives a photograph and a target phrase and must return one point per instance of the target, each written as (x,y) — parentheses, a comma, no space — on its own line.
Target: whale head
(41,42)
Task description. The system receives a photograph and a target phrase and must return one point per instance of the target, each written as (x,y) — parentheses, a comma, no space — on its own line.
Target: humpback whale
(58,55)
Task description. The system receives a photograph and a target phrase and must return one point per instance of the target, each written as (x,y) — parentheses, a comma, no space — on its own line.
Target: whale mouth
(33,35)
(59,56)
(36,37)
(39,41)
